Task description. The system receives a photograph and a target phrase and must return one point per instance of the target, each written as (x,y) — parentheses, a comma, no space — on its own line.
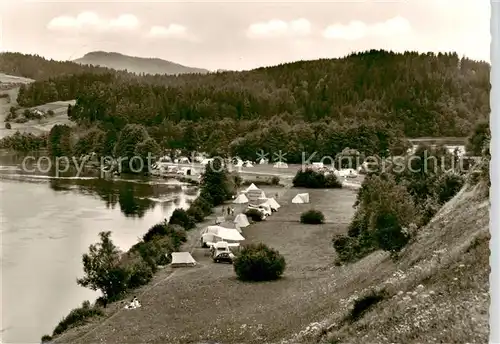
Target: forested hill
(360,101)
(38,68)
(136,65)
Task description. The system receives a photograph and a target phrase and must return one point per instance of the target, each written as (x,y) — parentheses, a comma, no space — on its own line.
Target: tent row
(237,162)
(215,237)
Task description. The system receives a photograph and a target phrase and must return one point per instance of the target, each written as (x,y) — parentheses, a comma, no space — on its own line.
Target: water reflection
(134,197)
(48,223)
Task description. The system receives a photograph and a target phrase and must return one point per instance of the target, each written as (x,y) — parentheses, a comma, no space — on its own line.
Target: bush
(350,249)
(196,213)
(158,230)
(46,339)
(204,204)
(312,217)
(155,251)
(389,233)
(139,272)
(253,214)
(358,224)
(180,217)
(76,317)
(8,125)
(448,185)
(362,305)
(275,180)
(175,233)
(257,262)
(309,178)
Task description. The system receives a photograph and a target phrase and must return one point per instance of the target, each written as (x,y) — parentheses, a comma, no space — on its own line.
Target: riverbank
(42,249)
(179,305)
(165,274)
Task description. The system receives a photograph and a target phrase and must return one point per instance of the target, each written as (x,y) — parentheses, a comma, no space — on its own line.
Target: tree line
(366,101)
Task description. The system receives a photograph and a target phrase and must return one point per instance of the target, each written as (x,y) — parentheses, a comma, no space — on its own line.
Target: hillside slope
(438,291)
(134,64)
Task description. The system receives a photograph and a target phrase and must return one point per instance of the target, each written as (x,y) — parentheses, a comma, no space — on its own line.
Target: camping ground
(207,302)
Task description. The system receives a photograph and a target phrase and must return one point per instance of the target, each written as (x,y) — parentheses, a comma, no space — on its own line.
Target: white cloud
(357,29)
(91,21)
(126,21)
(172,31)
(279,28)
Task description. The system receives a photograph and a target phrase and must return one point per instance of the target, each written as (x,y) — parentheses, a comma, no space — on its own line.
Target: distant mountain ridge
(136,64)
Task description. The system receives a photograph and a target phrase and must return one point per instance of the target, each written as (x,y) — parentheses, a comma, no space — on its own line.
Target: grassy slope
(438,290)
(208,303)
(34,126)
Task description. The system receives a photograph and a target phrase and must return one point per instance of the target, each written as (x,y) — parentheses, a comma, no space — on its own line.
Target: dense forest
(366,101)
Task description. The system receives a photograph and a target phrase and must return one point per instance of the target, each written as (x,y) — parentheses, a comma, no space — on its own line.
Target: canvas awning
(230,234)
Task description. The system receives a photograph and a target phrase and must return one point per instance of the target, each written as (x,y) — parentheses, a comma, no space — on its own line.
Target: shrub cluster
(77,317)
(182,218)
(273,181)
(309,178)
(390,202)
(114,273)
(363,304)
(312,217)
(258,262)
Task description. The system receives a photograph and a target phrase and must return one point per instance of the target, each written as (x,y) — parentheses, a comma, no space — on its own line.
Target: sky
(241,35)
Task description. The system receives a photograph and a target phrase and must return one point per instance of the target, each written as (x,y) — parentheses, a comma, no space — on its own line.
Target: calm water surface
(48,223)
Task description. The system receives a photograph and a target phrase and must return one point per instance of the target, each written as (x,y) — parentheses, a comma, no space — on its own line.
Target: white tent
(180,259)
(301,198)
(252,187)
(268,205)
(247,164)
(263,161)
(241,221)
(272,203)
(241,199)
(254,195)
(280,164)
(229,234)
(223,233)
(211,230)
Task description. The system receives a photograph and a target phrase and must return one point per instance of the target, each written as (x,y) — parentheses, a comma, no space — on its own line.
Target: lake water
(47,224)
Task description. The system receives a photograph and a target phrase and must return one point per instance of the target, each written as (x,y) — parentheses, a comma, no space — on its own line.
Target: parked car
(263,209)
(221,252)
